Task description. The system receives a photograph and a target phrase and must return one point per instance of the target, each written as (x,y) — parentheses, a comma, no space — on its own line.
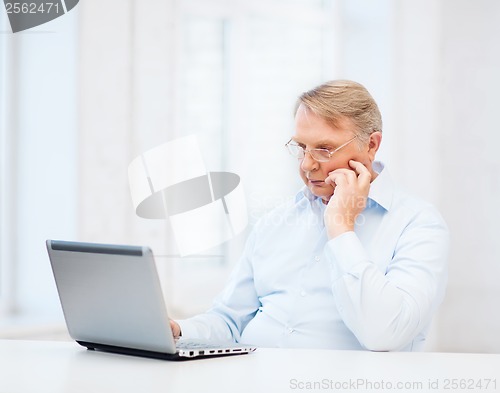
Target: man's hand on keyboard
(176,329)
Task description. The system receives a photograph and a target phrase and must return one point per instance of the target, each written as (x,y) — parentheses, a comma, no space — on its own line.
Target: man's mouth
(315,182)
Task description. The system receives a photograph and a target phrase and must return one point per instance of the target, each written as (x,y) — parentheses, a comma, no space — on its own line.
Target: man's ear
(374,144)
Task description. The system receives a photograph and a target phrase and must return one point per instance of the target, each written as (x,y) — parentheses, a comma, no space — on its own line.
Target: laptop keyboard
(194,344)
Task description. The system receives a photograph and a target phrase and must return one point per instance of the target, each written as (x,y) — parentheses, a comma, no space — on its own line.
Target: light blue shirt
(375,288)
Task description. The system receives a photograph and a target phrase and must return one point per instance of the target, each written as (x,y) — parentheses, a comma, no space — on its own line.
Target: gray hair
(339,99)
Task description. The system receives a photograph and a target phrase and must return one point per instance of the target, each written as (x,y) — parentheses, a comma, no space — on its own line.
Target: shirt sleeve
(232,309)
(387,309)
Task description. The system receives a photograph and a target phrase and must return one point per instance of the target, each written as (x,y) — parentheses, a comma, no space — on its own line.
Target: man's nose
(308,163)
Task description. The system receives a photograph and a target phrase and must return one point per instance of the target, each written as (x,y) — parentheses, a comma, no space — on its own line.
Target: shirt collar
(381,189)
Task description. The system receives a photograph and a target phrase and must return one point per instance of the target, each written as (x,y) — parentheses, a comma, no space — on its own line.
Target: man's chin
(323,193)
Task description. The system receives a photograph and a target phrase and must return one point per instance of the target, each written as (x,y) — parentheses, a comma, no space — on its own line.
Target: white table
(44,366)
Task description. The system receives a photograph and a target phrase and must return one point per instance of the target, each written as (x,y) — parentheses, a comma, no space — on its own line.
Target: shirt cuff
(344,252)
(188,329)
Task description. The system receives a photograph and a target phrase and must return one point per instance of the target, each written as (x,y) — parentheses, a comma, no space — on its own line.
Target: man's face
(313,132)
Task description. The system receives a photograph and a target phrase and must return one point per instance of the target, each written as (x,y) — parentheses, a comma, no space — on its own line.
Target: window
(38,164)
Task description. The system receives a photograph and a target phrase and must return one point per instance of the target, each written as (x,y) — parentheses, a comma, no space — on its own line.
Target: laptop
(112,301)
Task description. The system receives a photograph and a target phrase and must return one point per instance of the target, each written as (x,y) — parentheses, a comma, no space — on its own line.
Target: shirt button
(290,330)
(303,293)
(317,258)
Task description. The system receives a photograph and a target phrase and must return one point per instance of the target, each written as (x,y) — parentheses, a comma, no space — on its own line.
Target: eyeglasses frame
(330,152)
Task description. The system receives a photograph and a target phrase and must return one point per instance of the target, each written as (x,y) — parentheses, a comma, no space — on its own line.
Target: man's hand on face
(348,199)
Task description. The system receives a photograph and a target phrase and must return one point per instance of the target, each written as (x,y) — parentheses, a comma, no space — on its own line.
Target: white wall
(469,167)
(433,66)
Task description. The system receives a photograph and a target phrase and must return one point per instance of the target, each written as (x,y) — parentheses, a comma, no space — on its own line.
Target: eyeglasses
(320,155)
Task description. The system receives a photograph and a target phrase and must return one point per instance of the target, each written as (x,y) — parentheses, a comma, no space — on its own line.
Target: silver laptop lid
(111,295)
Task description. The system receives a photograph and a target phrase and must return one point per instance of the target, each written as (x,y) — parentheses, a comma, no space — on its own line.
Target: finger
(338,179)
(175,328)
(349,175)
(342,170)
(363,173)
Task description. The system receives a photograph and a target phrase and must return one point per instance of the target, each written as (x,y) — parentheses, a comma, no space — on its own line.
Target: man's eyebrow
(326,142)
(323,142)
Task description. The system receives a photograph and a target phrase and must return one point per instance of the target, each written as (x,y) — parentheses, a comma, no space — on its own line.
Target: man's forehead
(307,116)
(331,136)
